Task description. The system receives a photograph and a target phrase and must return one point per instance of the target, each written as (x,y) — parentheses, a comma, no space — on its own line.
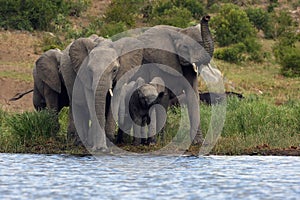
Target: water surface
(27,176)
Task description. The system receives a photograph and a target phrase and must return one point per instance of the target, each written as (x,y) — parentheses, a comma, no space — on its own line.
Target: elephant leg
(137,134)
(161,116)
(193,111)
(51,99)
(124,128)
(82,124)
(152,127)
(39,102)
(110,126)
(72,135)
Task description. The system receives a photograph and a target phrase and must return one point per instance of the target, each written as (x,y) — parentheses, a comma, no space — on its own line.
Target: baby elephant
(137,109)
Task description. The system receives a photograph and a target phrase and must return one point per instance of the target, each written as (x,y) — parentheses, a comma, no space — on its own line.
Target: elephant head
(47,69)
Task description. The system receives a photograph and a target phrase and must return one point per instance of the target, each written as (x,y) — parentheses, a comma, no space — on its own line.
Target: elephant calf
(137,99)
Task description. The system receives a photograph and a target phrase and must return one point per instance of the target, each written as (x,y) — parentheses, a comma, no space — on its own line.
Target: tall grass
(248,123)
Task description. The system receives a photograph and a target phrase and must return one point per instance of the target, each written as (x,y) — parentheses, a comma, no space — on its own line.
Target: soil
(17,56)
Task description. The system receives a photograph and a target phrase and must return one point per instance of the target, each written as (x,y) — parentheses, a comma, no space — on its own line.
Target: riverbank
(251,126)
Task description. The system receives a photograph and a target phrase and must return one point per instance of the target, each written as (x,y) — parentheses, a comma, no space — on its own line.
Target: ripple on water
(27,176)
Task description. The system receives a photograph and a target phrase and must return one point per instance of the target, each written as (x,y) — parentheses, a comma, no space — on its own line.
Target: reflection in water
(24,176)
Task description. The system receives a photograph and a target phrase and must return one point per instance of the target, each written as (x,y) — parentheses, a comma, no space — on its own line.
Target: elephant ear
(79,50)
(130,51)
(47,69)
(193,32)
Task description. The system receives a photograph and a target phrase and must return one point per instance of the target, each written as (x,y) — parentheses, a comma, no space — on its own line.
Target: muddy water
(24,176)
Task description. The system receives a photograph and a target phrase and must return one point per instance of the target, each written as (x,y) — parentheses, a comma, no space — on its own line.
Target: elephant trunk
(100,100)
(208,42)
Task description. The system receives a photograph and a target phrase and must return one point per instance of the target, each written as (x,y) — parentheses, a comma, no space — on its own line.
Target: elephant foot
(100,150)
(198,139)
(144,141)
(151,141)
(136,142)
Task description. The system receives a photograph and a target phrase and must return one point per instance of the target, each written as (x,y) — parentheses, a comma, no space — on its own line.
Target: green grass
(249,123)
(261,79)
(16,75)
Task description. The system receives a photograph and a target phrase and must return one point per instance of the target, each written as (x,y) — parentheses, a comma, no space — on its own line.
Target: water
(25,176)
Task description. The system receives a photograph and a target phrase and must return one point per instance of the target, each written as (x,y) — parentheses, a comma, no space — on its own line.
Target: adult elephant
(49,90)
(99,70)
(69,69)
(178,58)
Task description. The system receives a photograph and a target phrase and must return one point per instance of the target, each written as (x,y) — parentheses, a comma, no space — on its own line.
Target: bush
(30,126)
(232,25)
(290,62)
(123,11)
(179,17)
(195,7)
(177,13)
(233,53)
(287,54)
(258,17)
(278,24)
(35,14)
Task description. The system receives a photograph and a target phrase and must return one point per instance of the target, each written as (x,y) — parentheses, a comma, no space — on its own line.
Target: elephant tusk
(111,92)
(195,68)
(211,69)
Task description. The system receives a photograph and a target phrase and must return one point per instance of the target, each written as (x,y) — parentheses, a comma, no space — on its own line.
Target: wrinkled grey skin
(164,45)
(100,69)
(49,89)
(137,99)
(69,69)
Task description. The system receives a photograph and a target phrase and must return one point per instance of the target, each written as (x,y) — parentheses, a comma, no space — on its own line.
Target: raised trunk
(208,42)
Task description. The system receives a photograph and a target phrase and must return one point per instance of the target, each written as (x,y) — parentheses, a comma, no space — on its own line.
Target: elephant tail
(20,95)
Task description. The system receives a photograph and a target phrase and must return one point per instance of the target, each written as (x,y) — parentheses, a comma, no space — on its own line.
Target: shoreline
(131,150)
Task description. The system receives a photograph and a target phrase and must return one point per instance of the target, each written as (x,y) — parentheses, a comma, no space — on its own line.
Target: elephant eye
(185,48)
(114,70)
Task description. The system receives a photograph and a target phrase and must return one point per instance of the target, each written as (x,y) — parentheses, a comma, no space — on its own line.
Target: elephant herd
(131,79)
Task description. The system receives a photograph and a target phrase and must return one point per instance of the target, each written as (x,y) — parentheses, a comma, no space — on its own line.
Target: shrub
(278,24)
(179,17)
(258,17)
(177,13)
(35,14)
(76,7)
(232,25)
(122,11)
(290,62)
(194,6)
(29,126)
(287,54)
(233,53)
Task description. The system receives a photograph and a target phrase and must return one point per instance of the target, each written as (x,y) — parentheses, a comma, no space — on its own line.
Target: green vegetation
(288,54)
(235,32)
(37,14)
(249,123)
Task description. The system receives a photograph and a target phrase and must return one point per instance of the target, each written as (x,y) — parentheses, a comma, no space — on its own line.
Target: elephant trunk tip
(206,18)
